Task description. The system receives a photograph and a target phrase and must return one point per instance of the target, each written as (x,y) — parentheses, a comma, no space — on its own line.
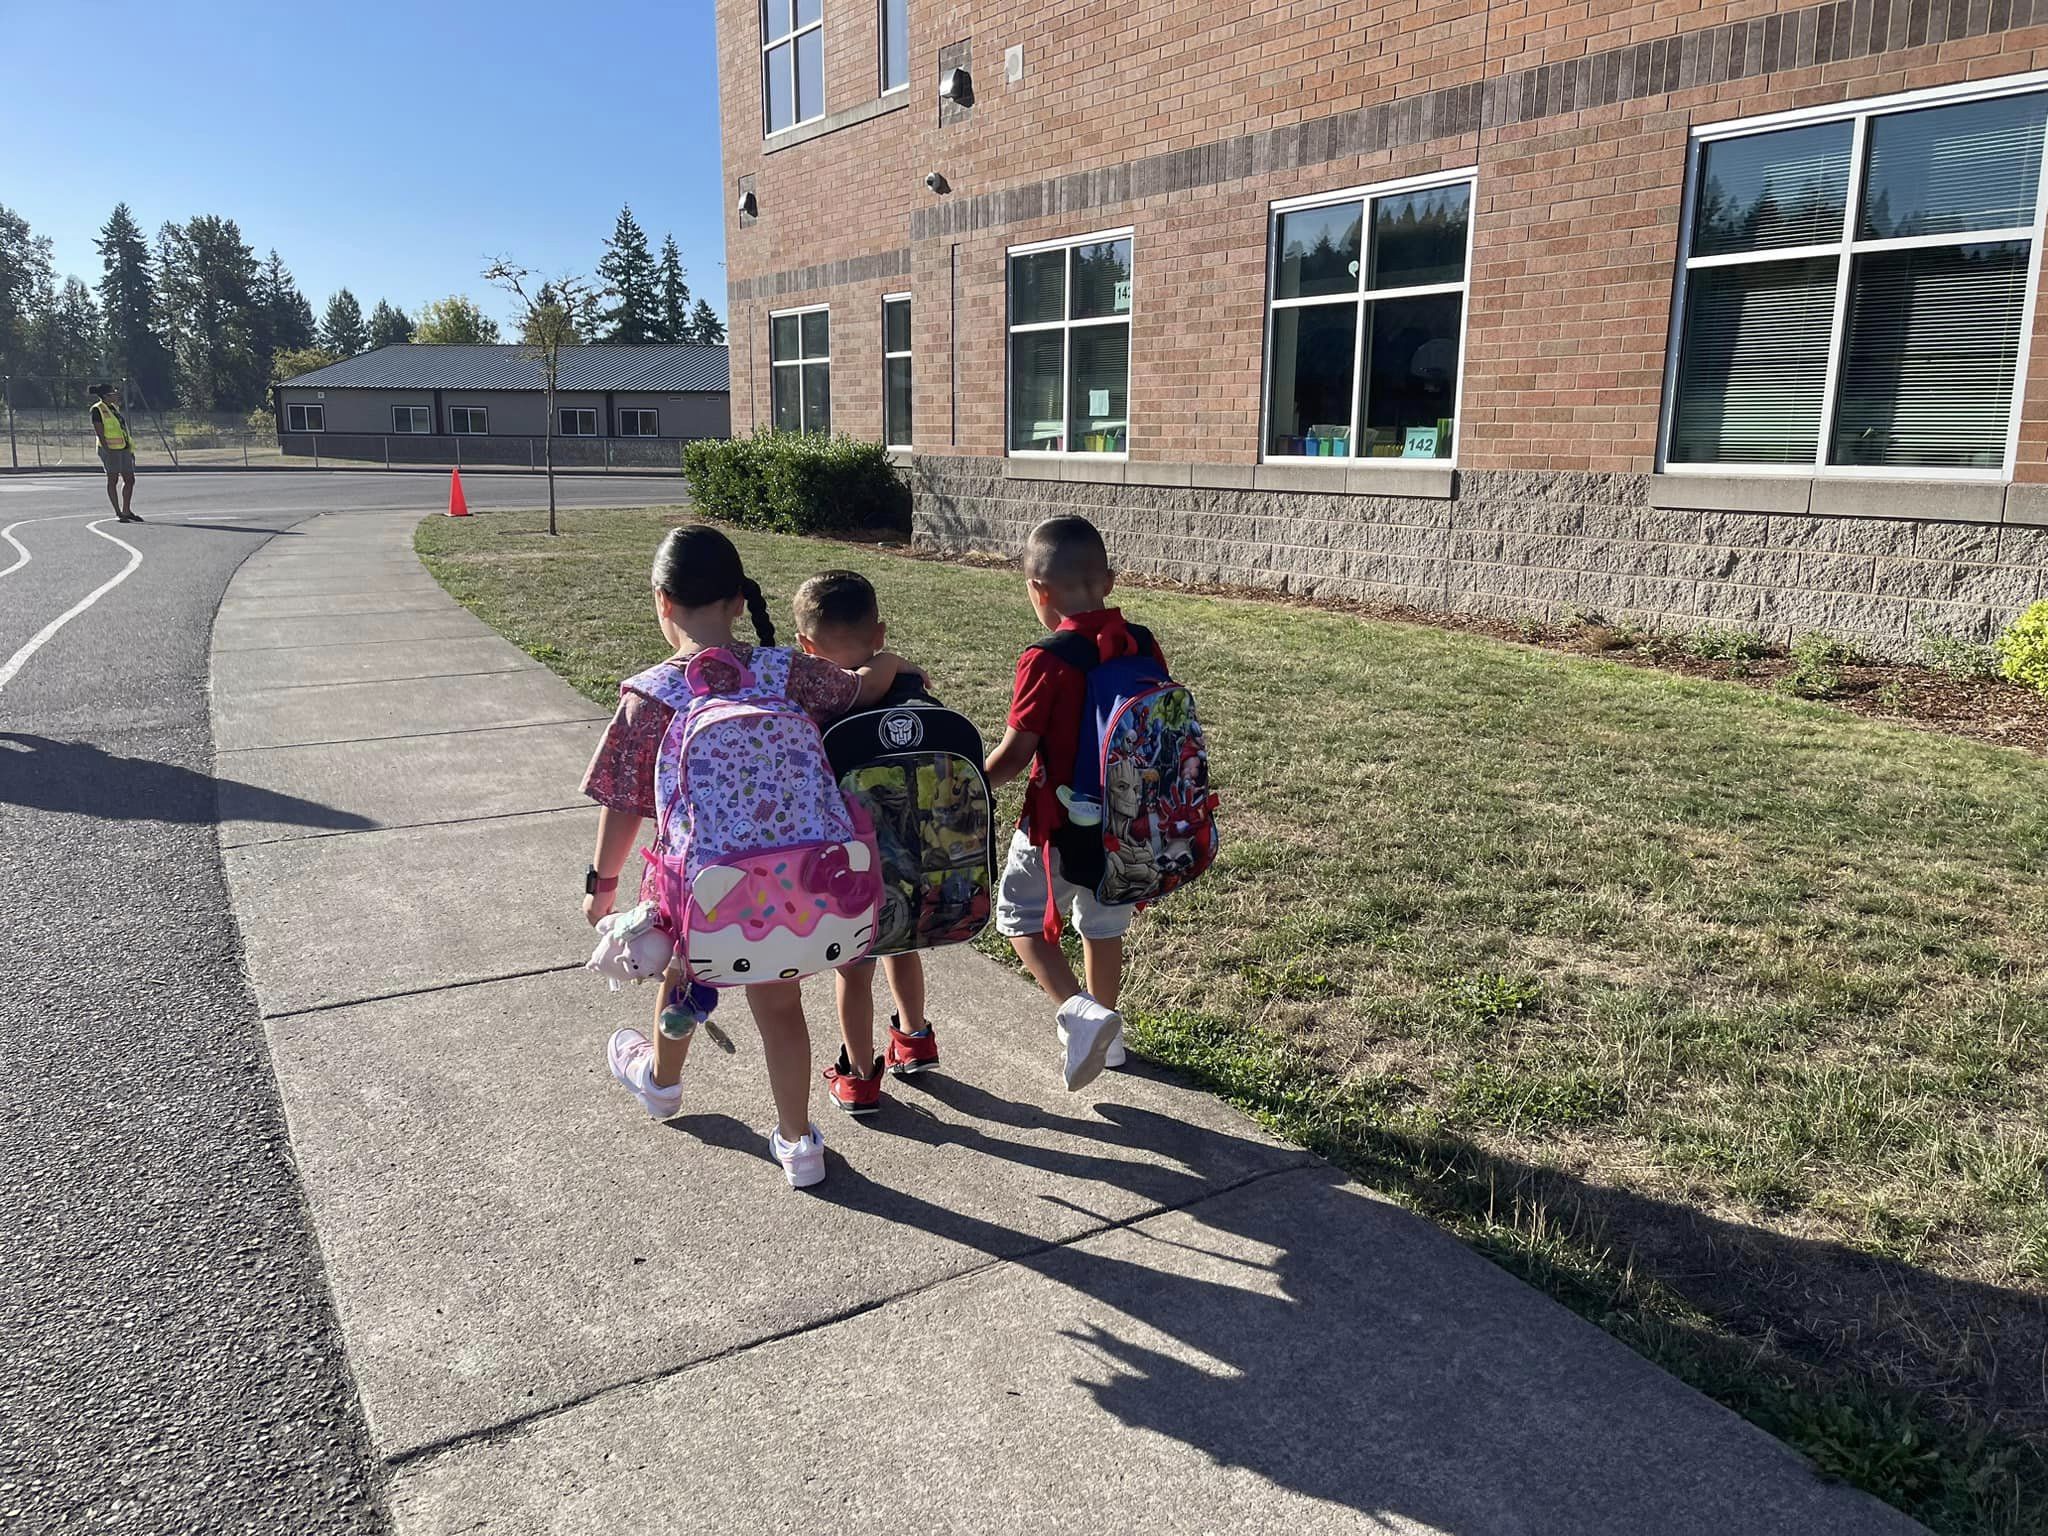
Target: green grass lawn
(1721,1016)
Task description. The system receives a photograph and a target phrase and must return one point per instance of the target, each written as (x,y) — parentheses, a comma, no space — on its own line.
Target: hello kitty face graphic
(780,916)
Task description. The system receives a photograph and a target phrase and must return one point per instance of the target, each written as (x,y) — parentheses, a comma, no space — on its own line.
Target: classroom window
(800,369)
(1854,293)
(636,422)
(305,418)
(1366,329)
(895,44)
(410,419)
(469,421)
(896,370)
(576,421)
(1070,345)
(792,62)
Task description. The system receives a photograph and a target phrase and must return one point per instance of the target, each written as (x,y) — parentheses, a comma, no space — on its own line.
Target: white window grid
(1364,196)
(410,420)
(887,355)
(570,421)
(469,421)
(783,12)
(800,359)
(305,418)
(639,421)
(1846,250)
(1067,327)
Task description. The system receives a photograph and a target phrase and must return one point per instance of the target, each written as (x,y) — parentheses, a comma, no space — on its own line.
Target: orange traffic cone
(458,506)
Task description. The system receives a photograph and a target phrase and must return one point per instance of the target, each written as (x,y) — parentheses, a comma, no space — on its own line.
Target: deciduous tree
(454,319)
(547,323)
(207,278)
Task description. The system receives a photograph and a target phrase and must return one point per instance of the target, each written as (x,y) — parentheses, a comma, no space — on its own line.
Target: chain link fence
(48,438)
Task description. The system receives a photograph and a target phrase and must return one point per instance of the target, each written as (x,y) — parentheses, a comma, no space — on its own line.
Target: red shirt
(1048,700)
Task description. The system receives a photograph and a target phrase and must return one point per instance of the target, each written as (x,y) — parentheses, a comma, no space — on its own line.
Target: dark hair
(835,600)
(101,389)
(698,565)
(1065,550)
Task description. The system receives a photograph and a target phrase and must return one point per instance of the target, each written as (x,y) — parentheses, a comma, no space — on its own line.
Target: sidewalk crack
(491,1434)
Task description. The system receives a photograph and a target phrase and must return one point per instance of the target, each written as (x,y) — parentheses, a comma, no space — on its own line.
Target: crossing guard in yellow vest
(117,450)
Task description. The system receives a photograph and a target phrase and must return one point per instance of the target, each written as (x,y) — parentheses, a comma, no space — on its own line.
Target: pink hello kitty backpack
(764,871)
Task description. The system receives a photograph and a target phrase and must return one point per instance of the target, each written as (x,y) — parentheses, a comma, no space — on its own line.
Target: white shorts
(1020,899)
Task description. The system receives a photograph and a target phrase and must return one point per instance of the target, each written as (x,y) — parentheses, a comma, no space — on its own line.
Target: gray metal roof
(644,370)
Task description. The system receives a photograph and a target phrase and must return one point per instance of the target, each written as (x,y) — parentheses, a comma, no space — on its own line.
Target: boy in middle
(837,618)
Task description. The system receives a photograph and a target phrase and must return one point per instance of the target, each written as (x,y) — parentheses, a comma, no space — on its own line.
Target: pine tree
(706,329)
(288,316)
(341,332)
(207,279)
(24,283)
(633,281)
(389,327)
(674,307)
(136,350)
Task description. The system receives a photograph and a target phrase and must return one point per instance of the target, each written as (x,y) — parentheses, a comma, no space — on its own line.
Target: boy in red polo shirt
(1067,575)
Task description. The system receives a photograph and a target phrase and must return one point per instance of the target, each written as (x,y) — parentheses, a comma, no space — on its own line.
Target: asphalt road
(169,1360)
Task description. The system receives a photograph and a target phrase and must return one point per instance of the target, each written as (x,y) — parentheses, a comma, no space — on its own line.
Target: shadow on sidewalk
(1351,1351)
(77,778)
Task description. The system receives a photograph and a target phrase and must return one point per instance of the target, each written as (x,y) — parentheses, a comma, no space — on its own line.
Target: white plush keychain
(631,946)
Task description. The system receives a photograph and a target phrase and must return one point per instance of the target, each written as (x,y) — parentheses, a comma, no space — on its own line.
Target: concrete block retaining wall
(1541,544)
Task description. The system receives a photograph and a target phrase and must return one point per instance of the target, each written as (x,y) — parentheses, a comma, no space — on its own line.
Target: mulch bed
(1983,709)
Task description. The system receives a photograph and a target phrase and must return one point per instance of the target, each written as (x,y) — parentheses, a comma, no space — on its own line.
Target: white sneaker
(1086,1030)
(1114,1057)
(632,1062)
(804,1160)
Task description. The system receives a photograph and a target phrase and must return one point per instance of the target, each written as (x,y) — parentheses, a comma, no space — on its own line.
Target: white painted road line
(43,636)
(22,556)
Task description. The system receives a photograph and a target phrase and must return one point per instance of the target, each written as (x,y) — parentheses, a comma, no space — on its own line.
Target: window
(305,418)
(469,421)
(1367,321)
(895,44)
(639,423)
(1070,345)
(800,362)
(1855,288)
(896,370)
(576,421)
(792,61)
(410,419)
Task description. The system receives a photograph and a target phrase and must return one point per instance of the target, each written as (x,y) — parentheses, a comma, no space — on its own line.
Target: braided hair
(698,565)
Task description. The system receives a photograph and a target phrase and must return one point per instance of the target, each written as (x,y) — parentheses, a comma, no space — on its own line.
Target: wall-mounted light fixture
(748,205)
(957,86)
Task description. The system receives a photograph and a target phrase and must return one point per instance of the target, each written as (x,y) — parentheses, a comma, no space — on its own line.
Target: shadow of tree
(77,778)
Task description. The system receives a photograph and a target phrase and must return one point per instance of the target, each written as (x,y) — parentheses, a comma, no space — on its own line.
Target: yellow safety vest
(111,425)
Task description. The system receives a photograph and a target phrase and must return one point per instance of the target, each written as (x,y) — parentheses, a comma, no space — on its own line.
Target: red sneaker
(912,1053)
(855,1094)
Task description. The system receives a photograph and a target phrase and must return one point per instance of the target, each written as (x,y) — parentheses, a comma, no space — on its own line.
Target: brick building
(1693,311)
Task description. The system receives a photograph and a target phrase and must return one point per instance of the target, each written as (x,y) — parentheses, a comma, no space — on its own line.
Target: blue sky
(388,148)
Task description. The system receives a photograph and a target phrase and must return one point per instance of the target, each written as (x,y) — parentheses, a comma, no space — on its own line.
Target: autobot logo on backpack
(901,729)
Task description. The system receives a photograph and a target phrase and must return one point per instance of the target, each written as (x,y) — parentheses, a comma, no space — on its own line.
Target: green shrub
(1956,657)
(797,482)
(1817,662)
(1711,644)
(2023,648)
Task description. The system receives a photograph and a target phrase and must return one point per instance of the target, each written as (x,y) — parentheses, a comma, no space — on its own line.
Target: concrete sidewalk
(1008,1308)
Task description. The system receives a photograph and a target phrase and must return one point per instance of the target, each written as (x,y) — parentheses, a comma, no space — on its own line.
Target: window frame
(577,411)
(1846,249)
(305,411)
(636,411)
(1364,195)
(882,48)
(418,413)
(909,355)
(471,413)
(799,362)
(791,37)
(1065,326)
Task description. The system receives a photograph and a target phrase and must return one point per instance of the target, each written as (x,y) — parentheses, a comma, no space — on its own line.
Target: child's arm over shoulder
(826,691)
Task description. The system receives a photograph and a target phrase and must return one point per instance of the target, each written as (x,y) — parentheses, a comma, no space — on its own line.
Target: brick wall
(1186,122)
